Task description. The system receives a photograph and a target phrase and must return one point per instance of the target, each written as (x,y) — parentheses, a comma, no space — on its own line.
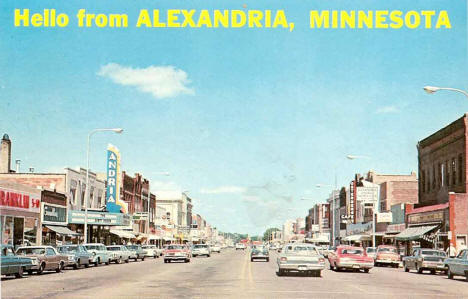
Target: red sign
(14,200)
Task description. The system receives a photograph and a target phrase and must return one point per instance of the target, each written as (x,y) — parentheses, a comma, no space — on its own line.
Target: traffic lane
(380,282)
(70,282)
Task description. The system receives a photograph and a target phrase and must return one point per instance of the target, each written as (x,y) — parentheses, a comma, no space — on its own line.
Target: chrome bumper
(302,267)
(352,265)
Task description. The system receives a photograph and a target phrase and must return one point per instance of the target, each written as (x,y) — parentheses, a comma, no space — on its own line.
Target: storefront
(427,227)
(54,220)
(20,210)
(100,224)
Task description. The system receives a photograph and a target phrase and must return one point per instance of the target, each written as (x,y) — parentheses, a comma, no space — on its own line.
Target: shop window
(91,197)
(423,181)
(73,186)
(30,230)
(441,175)
(460,169)
(100,198)
(18,230)
(447,173)
(433,177)
(7,230)
(83,194)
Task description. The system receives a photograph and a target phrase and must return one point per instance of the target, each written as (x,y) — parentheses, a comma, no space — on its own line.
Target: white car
(120,253)
(201,249)
(151,251)
(240,246)
(99,252)
(216,248)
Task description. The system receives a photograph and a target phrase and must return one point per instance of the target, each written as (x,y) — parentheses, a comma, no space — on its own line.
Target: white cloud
(388,109)
(160,81)
(157,186)
(223,189)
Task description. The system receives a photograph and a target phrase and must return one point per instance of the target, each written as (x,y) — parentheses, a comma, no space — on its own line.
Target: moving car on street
(177,252)
(425,259)
(201,249)
(350,257)
(77,255)
(13,264)
(259,252)
(458,266)
(151,251)
(44,258)
(300,257)
(387,255)
(240,246)
(119,253)
(216,248)
(136,252)
(99,253)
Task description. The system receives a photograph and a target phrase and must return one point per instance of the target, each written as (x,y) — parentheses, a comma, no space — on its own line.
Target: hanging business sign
(54,214)
(367,194)
(113,202)
(384,217)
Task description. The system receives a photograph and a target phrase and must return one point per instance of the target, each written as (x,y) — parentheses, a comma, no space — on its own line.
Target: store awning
(122,234)
(414,233)
(62,230)
(355,238)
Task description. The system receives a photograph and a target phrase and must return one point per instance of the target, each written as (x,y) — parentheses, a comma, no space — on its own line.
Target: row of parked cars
(182,252)
(38,259)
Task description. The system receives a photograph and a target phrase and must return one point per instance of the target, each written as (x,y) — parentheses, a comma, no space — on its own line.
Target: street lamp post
(116,130)
(433,89)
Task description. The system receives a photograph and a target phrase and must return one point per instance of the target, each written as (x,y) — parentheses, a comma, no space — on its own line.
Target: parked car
(371,252)
(120,253)
(240,246)
(99,253)
(458,266)
(80,256)
(300,257)
(387,255)
(350,257)
(12,264)
(177,252)
(201,249)
(216,248)
(136,252)
(259,252)
(151,251)
(44,258)
(425,259)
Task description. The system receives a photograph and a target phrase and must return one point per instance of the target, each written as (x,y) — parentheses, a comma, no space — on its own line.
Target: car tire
(20,272)
(41,269)
(142,259)
(433,272)
(60,267)
(165,261)
(268,260)
(119,260)
(405,267)
(449,274)
(419,270)
(330,266)
(86,265)
(208,255)
(155,256)
(107,263)
(366,270)
(96,264)
(281,272)
(30,272)
(127,260)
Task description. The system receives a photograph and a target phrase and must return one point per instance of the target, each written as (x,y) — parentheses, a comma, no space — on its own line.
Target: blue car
(13,264)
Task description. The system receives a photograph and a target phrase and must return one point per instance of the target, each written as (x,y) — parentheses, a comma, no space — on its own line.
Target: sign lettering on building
(367,194)
(113,202)
(20,201)
(384,217)
(436,216)
(53,214)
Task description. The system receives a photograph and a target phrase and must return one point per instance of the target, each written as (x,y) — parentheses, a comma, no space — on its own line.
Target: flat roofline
(440,131)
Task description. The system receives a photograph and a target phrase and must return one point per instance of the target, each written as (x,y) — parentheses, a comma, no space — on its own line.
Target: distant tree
(267,233)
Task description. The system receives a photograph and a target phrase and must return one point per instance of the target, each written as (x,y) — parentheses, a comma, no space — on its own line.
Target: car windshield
(113,248)
(200,246)
(65,249)
(355,251)
(302,250)
(148,246)
(260,247)
(433,252)
(35,251)
(175,247)
(387,250)
(132,246)
(92,247)
(369,249)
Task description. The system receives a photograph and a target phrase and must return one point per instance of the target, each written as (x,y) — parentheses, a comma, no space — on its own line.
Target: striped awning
(414,233)
(122,234)
(62,230)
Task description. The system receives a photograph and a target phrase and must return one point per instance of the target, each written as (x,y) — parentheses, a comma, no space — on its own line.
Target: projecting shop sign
(367,194)
(113,202)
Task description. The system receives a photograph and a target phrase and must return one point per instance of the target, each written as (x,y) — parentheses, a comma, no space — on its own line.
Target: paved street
(229,274)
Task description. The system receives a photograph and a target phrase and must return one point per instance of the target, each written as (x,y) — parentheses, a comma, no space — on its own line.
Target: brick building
(441,216)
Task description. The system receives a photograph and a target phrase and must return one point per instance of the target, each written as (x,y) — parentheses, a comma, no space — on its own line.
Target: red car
(350,257)
(387,255)
(177,252)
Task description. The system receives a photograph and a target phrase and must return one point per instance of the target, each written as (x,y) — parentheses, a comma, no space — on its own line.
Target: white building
(288,230)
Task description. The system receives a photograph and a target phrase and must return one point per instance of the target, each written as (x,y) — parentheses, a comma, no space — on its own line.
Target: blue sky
(260,116)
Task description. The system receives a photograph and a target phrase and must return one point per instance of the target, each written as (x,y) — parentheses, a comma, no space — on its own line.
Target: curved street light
(433,89)
(115,130)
